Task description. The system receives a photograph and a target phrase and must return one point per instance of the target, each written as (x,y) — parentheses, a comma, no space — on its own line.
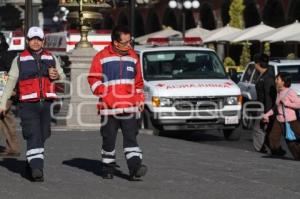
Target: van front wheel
(148,123)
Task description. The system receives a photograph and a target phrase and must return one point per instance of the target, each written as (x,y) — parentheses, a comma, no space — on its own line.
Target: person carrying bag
(286,122)
(289,134)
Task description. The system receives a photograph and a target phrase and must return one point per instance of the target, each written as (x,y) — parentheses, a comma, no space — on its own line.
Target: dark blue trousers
(128,123)
(35,122)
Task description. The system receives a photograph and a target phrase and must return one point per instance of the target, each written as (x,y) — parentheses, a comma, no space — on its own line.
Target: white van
(187,88)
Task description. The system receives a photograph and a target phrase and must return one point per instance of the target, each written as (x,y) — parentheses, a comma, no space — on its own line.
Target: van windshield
(171,65)
(294,70)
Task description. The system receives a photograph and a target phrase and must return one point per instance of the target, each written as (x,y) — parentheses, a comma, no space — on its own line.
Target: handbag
(288,133)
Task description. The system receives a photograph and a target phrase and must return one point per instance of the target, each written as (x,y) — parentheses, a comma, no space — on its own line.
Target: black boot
(108,171)
(137,173)
(278,152)
(37,175)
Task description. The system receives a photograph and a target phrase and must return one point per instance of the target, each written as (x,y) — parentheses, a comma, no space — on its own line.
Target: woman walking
(285,110)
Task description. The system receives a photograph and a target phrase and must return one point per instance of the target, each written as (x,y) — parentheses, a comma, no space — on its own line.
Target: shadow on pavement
(278,157)
(16,166)
(94,166)
(193,136)
(213,137)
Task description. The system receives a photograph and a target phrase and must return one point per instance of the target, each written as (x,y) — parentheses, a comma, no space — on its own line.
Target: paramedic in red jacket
(115,77)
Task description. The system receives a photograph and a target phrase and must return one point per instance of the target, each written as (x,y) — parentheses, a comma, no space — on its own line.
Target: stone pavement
(177,169)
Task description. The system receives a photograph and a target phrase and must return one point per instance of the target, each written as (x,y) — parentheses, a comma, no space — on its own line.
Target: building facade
(149,17)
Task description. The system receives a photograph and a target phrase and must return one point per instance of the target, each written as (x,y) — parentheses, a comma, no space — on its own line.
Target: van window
(294,70)
(170,65)
(248,73)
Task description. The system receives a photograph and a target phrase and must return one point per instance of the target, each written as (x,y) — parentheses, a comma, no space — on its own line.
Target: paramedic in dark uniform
(34,71)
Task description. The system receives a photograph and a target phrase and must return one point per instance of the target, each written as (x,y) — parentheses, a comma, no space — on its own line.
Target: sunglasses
(125,43)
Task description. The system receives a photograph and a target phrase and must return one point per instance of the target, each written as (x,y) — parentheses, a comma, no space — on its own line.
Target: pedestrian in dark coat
(266,96)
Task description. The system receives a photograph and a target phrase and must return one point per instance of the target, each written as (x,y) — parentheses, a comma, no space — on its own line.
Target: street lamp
(133,4)
(61,16)
(184,5)
(86,12)
(28,15)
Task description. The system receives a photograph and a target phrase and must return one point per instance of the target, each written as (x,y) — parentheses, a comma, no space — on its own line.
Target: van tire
(247,123)
(148,124)
(232,134)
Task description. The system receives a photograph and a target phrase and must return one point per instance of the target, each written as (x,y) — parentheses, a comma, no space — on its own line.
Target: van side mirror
(232,73)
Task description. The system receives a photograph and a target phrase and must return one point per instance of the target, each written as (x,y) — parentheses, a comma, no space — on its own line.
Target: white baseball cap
(35,32)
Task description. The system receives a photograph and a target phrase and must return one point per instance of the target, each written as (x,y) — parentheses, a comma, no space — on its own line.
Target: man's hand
(53,73)
(265,119)
(141,107)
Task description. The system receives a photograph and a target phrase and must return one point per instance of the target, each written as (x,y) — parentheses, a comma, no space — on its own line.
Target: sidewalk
(177,169)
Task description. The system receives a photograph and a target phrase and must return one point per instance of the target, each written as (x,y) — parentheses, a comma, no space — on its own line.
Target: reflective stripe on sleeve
(139,90)
(51,95)
(95,85)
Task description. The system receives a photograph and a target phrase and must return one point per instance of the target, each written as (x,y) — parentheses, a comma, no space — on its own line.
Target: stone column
(82,112)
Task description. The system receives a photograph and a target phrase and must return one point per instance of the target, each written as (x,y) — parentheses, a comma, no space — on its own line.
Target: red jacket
(117,81)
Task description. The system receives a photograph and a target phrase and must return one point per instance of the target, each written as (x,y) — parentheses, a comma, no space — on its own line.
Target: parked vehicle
(187,88)
(249,77)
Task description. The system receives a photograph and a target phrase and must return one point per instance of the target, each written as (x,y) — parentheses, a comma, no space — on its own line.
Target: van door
(246,85)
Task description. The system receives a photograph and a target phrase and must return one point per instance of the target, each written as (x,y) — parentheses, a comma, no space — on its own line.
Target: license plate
(232,120)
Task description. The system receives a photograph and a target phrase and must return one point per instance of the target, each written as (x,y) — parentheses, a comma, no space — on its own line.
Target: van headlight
(233,100)
(161,102)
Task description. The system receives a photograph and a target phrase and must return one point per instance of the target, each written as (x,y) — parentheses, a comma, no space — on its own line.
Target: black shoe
(278,152)
(263,149)
(37,175)
(137,174)
(108,171)
(107,176)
